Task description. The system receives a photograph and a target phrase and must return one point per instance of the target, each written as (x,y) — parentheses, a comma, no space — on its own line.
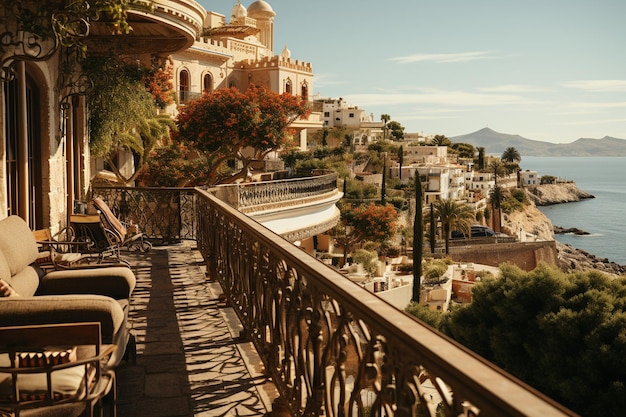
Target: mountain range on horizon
(496,142)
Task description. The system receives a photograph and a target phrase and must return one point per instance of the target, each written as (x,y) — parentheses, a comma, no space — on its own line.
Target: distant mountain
(495,143)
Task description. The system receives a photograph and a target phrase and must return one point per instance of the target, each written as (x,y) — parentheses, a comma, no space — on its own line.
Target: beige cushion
(25,282)
(65,382)
(17,243)
(5,272)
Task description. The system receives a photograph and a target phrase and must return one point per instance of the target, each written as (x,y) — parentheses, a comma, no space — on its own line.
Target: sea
(603,217)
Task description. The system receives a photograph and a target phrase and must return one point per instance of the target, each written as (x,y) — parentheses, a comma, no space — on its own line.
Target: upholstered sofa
(63,296)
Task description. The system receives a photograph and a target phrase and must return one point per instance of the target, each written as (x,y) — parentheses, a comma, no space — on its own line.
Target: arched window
(305,91)
(183,86)
(207,83)
(288,87)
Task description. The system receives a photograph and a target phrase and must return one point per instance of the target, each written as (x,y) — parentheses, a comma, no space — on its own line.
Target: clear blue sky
(551,70)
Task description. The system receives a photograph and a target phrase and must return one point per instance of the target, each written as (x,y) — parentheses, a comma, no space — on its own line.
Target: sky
(549,70)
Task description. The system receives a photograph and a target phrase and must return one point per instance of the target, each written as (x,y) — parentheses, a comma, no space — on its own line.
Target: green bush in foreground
(564,334)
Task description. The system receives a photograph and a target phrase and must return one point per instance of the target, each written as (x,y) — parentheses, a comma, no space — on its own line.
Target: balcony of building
(233,319)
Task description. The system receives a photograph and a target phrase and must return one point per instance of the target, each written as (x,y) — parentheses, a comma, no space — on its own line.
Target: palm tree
(511,155)
(385,119)
(440,140)
(453,215)
(497,167)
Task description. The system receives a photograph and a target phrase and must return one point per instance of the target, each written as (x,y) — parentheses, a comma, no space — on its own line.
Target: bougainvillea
(231,125)
(158,81)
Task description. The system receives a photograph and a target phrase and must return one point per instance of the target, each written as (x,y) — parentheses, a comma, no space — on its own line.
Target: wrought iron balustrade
(255,196)
(163,214)
(332,348)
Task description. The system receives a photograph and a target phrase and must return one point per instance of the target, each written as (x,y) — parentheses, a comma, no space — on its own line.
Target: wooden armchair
(54,369)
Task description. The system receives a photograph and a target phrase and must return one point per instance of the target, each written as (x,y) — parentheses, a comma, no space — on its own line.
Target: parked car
(476,231)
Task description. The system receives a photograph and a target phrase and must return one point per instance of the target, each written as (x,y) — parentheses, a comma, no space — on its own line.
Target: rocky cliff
(548,194)
(534,222)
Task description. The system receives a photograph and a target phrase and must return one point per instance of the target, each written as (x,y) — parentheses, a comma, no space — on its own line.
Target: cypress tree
(418,240)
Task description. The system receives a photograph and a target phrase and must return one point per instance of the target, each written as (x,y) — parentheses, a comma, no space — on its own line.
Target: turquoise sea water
(604,217)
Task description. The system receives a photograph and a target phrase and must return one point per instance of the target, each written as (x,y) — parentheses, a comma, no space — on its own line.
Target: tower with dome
(239,52)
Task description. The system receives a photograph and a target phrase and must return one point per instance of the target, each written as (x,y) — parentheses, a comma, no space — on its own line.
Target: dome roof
(261,9)
(286,53)
(239,11)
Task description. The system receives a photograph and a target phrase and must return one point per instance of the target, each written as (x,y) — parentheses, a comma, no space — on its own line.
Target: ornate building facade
(239,53)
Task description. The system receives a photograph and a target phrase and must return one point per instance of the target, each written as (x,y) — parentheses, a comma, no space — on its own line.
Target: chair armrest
(63,246)
(117,282)
(54,309)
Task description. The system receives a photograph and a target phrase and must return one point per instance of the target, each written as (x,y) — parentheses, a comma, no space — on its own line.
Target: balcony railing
(255,196)
(331,347)
(163,214)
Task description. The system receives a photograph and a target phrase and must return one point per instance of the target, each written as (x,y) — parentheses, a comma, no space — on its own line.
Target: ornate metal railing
(255,196)
(332,348)
(163,214)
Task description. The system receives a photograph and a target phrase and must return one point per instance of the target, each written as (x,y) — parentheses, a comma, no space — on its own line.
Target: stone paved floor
(188,362)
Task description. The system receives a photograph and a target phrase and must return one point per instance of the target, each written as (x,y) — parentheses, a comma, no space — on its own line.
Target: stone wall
(526,255)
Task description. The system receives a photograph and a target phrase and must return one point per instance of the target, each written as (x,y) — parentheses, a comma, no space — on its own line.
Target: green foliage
(396,130)
(514,200)
(464,150)
(440,140)
(379,147)
(434,272)
(453,215)
(480,159)
(116,109)
(564,334)
(358,190)
(122,114)
(418,239)
(511,167)
(548,179)
(369,260)
(425,314)
(293,155)
(511,155)
(173,165)
(305,167)
(400,203)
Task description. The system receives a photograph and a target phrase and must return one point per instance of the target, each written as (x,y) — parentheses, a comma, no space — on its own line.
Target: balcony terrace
(328,346)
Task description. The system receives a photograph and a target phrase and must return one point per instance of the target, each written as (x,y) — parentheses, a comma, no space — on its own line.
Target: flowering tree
(158,81)
(373,222)
(228,124)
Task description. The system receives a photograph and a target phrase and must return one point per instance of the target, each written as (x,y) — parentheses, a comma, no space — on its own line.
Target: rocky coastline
(549,194)
(536,223)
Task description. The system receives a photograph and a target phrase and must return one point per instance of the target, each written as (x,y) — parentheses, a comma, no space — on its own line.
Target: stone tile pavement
(189,359)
